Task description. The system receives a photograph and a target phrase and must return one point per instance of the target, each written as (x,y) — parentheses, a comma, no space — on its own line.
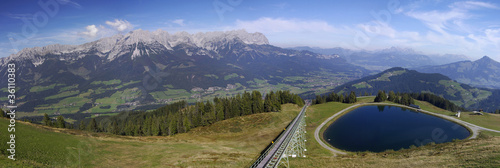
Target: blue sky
(471,28)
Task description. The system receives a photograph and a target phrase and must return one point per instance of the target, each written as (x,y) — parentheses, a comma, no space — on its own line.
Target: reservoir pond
(379,128)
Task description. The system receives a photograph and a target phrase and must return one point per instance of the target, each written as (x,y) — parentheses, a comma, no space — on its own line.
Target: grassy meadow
(236,142)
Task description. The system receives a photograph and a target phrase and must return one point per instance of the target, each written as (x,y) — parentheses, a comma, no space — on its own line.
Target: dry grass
(484,152)
(238,142)
(235,142)
(231,143)
(487,120)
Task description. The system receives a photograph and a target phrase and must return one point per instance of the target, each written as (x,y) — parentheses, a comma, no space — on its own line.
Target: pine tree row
(180,117)
(408,98)
(59,123)
(333,97)
(400,98)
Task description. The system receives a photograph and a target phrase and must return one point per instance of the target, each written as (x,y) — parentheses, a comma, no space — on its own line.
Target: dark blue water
(378,128)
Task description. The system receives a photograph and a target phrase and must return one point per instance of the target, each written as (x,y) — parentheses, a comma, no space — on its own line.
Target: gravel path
(474,128)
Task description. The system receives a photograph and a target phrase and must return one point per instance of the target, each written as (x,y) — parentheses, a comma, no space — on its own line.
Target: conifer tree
(46,120)
(187,124)
(352,97)
(60,122)
(164,124)
(208,118)
(146,127)
(381,96)
(129,128)
(82,125)
(173,126)
(246,105)
(219,110)
(392,96)
(114,127)
(257,103)
(92,125)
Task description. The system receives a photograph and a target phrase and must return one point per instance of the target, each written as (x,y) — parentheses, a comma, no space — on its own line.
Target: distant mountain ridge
(484,72)
(409,81)
(387,58)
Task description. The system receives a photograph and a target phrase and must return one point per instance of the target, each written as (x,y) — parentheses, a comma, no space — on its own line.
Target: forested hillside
(180,117)
(409,81)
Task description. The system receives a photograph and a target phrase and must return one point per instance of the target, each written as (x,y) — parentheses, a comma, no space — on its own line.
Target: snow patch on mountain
(118,45)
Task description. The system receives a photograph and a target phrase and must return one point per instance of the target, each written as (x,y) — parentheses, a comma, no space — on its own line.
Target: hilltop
(484,72)
(411,81)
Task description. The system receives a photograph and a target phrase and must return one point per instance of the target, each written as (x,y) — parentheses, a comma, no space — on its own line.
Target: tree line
(180,117)
(334,97)
(58,123)
(400,98)
(409,98)
(437,101)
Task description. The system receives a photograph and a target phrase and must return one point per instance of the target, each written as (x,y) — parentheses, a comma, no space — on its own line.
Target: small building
(415,106)
(477,113)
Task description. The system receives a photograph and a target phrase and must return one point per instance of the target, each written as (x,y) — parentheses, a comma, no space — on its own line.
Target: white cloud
(74,4)
(120,25)
(472,5)
(276,25)
(439,21)
(91,31)
(453,19)
(457,30)
(378,28)
(398,11)
(180,22)
(489,39)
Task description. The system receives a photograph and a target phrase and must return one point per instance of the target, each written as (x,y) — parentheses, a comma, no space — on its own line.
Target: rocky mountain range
(143,68)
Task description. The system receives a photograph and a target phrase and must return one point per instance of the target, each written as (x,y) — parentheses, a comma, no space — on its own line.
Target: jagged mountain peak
(198,39)
(485,59)
(399,50)
(117,45)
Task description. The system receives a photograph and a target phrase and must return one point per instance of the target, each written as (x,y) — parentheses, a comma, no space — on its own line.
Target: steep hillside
(484,72)
(230,143)
(404,80)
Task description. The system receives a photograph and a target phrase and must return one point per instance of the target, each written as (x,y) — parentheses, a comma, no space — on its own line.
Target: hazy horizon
(432,27)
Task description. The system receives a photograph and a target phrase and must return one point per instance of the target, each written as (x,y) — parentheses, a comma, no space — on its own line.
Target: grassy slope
(38,146)
(231,143)
(469,153)
(487,120)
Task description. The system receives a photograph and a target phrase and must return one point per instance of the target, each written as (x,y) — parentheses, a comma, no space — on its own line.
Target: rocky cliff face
(119,45)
